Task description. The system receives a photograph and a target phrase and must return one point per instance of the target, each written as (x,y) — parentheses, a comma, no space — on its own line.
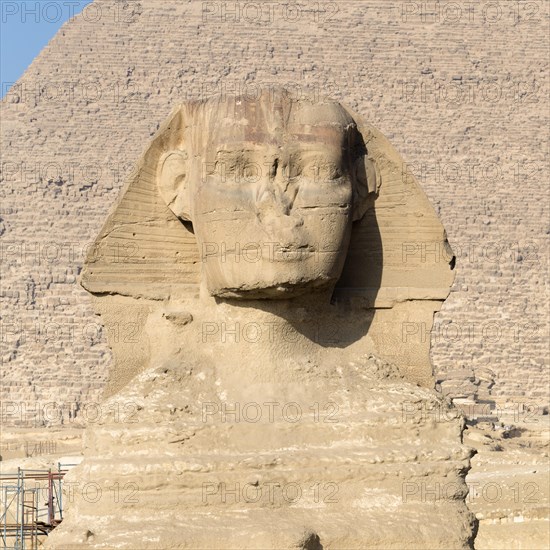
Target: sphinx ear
(366,185)
(173,183)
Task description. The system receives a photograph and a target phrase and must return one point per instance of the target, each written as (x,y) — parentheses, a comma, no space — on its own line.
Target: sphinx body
(270,400)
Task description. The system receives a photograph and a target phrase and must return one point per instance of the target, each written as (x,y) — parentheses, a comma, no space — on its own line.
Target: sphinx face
(268,186)
(272,209)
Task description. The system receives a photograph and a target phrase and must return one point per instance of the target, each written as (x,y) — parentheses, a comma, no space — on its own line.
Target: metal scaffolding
(24,518)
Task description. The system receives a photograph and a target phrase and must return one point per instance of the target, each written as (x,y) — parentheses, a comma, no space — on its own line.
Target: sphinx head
(271,187)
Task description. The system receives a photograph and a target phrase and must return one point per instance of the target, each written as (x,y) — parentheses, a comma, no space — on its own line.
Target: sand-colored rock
(243,409)
(252,232)
(509,486)
(453,93)
(359,473)
(427,82)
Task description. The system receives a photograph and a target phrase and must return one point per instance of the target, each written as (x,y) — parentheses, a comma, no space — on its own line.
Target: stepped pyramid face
(463,108)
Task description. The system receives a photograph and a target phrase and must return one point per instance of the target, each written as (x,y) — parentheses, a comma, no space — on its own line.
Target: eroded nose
(276,192)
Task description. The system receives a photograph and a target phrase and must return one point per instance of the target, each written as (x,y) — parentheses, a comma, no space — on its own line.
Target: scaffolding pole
(20,517)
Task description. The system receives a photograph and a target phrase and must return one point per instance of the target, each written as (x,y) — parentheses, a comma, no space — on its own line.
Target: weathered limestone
(453,94)
(257,247)
(270,376)
(363,473)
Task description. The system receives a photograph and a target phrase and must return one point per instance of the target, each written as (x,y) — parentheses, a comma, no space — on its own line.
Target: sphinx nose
(275,215)
(271,200)
(275,193)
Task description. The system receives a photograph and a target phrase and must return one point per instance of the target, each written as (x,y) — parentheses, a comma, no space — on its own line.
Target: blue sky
(26,26)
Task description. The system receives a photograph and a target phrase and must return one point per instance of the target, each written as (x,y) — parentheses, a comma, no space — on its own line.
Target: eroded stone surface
(326,216)
(112,76)
(240,386)
(353,473)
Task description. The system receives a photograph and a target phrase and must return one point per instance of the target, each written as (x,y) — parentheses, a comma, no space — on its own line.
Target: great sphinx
(269,318)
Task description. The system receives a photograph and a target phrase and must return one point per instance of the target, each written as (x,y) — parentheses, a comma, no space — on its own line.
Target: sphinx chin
(274,291)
